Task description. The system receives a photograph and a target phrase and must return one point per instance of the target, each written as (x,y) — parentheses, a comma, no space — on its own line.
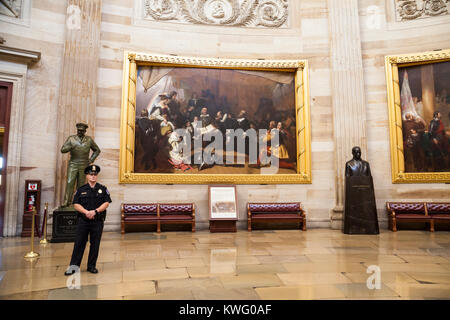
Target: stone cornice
(19,55)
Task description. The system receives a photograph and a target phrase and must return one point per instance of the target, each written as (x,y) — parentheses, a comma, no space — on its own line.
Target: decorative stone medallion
(241,13)
(419,9)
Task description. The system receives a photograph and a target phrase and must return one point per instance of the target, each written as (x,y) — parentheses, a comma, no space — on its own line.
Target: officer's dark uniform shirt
(91,199)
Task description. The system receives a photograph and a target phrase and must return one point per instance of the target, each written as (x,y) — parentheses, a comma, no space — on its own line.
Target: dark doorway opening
(5,111)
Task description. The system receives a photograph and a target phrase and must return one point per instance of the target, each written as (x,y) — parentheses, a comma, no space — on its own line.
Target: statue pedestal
(360,212)
(222,225)
(64,224)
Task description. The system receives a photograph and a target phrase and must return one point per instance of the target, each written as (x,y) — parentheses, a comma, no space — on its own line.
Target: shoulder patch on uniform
(84,193)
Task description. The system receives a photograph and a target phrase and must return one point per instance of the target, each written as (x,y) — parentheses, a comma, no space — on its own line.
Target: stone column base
(337,217)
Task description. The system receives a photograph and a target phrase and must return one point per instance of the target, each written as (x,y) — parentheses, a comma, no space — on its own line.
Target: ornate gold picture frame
(418,92)
(131,171)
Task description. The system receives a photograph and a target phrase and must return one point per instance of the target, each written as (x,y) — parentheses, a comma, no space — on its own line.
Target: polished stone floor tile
(411,267)
(212,270)
(84,293)
(431,278)
(149,264)
(260,269)
(385,277)
(360,290)
(265,264)
(178,294)
(126,288)
(283,259)
(250,281)
(155,274)
(423,291)
(185,262)
(294,279)
(354,258)
(224,294)
(302,292)
(341,266)
(423,259)
(191,283)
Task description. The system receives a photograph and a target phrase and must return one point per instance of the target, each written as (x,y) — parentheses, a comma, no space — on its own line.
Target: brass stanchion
(32,254)
(45,241)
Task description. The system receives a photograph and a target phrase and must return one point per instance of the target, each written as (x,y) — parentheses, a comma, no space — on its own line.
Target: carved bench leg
(158,227)
(394,225)
(432,225)
(304,224)
(193,226)
(122,230)
(249,225)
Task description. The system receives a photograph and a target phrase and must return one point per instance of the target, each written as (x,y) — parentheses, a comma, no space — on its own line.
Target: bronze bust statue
(360,212)
(357,166)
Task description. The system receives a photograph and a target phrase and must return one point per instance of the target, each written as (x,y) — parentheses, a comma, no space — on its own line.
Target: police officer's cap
(93,168)
(82,126)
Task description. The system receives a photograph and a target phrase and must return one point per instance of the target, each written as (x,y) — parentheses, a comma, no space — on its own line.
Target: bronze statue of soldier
(360,212)
(79,146)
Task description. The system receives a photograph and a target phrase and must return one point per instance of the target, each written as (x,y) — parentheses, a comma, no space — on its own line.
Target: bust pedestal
(360,212)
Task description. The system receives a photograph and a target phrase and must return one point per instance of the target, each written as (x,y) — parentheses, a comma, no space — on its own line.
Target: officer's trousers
(94,230)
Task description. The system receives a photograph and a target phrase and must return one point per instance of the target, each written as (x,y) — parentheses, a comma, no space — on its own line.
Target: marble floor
(269,264)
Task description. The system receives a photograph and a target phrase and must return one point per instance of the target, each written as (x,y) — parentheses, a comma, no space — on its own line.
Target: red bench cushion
(278,208)
(140,209)
(276,216)
(407,207)
(182,208)
(438,208)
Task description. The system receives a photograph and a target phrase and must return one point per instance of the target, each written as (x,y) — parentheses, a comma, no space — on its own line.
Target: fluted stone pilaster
(77,98)
(347,85)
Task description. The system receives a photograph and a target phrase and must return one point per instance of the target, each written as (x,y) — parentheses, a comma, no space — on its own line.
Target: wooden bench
(406,211)
(156,213)
(276,212)
(439,212)
(428,212)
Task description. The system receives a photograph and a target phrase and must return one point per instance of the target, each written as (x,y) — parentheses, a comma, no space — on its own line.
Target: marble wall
(306,37)
(45,33)
(382,35)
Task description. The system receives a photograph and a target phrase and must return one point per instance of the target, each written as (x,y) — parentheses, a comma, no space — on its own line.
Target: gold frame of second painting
(127,136)
(392,63)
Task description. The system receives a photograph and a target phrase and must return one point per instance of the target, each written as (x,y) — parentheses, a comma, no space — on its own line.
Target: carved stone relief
(419,9)
(248,13)
(11,8)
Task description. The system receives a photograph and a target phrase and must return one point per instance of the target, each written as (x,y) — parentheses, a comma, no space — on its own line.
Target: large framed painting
(192,120)
(418,89)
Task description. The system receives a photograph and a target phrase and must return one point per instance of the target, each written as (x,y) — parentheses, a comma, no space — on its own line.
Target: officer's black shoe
(69,272)
(92,270)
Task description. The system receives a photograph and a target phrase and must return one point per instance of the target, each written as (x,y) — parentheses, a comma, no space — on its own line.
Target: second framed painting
(418,87)
(192,120)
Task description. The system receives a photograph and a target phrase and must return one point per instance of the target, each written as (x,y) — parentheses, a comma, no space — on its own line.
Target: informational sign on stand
(223,212)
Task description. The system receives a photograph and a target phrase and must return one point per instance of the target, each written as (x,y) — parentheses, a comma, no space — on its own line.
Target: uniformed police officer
(91,201)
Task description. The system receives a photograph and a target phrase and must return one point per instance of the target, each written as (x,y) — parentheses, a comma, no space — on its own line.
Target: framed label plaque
(223,212)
